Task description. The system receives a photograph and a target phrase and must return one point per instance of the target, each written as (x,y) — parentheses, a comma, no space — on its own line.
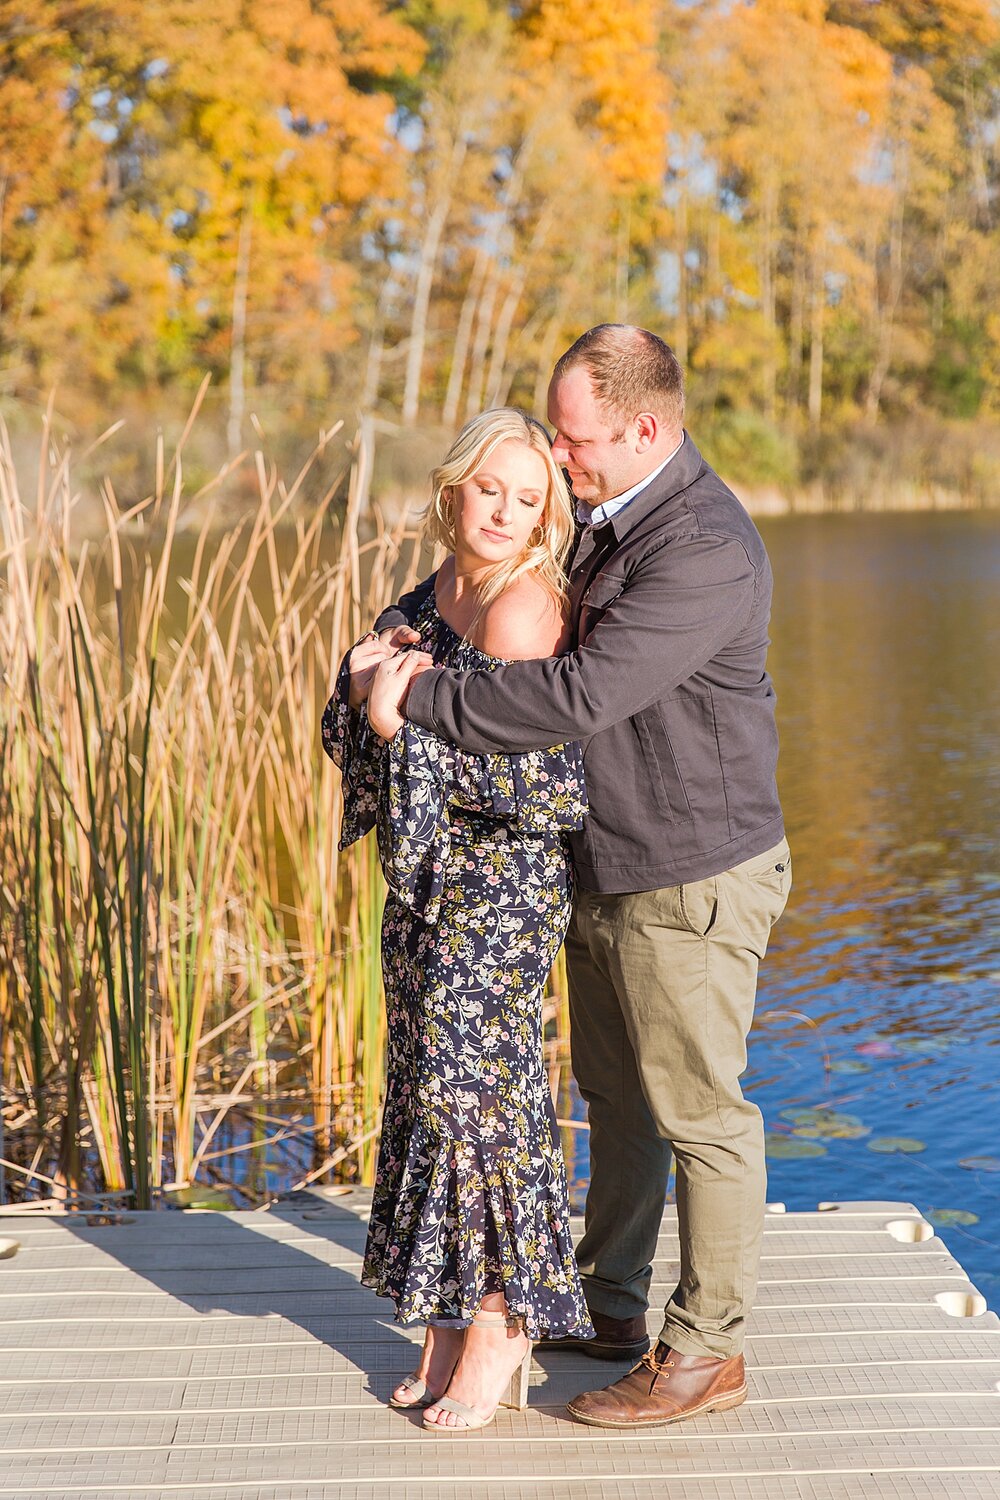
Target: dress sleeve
(353,745)
(540,792)
(406,609)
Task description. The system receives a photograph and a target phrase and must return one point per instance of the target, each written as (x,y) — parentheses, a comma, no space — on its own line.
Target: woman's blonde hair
(469,451)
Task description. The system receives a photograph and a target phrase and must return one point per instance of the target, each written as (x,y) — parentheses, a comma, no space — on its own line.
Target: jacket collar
(681,471)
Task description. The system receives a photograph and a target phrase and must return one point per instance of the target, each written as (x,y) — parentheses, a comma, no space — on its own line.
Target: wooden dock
(234,1356)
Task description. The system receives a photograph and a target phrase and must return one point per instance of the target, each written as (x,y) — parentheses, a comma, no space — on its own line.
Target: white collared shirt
(601,513)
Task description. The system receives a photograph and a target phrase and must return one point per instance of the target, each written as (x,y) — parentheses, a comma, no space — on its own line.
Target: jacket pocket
(601,590)
(666,782)
(599,593)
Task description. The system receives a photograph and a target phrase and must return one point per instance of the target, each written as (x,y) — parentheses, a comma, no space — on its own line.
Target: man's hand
(367,655)
(389,688)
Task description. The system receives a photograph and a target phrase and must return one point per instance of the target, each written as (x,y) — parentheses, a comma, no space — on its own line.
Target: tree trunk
(373,367)
(498,382)
(978,169)
(3,205)
(622,262)
(547,358)
(463,333)
(237,357)
(498,356)
(421,305)
(376,348)
(426,266)
(796,326)
(817,310)
(886,307)
(768,293)
(484,327)
(682,337)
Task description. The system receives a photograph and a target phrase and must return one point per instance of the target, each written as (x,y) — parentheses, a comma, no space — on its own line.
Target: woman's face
(498,507)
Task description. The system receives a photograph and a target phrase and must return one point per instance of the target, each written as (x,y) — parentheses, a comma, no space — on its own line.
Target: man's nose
(560,449)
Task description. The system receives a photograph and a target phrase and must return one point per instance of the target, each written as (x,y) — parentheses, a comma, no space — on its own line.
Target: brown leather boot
(664,1386)
(616,1338)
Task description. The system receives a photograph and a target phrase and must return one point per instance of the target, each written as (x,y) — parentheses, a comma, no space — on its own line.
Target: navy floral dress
(470,1192)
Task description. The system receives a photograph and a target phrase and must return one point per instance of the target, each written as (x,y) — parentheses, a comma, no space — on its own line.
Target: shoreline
(816,500)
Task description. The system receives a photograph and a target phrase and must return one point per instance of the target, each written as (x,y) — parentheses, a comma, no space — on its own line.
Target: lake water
(878,1024)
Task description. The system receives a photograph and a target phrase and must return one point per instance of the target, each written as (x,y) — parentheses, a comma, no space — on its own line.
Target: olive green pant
(662,987)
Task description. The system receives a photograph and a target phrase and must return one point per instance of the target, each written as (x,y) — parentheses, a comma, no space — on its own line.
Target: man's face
(598,457)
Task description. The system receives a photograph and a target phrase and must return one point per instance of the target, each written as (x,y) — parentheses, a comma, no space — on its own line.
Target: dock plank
(197,1356)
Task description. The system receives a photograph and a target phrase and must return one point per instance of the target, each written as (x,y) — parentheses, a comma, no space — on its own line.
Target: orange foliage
(607,51)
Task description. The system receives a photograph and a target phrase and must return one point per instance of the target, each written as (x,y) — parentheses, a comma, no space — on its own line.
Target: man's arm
(679,607)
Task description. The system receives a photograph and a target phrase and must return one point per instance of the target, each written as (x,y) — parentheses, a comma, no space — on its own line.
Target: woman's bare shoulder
(522,623)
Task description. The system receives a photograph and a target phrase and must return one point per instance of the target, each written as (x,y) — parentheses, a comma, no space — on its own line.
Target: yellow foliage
(426,201)
(607,50)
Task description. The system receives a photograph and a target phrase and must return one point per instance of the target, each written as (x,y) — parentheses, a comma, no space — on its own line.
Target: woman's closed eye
(525,500)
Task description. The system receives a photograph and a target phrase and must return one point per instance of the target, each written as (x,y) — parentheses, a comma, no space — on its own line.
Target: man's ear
(646,429)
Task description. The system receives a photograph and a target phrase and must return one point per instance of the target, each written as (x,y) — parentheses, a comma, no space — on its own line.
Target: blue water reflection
(878,999)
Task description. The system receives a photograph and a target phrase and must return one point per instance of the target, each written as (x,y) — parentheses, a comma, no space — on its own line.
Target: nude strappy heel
(517,1391)
(421,1394)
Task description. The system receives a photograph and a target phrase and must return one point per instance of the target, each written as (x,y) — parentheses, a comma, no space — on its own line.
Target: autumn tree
(221,152)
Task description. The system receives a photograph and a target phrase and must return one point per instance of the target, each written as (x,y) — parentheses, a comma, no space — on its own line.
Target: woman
(469,1229)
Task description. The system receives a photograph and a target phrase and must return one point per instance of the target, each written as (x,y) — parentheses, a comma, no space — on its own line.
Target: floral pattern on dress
(470,1191)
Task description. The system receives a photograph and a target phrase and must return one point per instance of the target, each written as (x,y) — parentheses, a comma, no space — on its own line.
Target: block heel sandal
(517,1391)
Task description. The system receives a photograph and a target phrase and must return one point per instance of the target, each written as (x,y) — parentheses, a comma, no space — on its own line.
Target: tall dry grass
(181,944)
(174,913)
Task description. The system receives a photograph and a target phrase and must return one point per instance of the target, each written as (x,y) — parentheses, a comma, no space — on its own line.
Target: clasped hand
(381,673)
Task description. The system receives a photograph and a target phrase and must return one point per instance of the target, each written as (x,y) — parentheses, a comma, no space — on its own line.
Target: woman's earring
(536,537)
(449,512)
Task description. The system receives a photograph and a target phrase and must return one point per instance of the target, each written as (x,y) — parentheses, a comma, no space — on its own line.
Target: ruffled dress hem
(434,1263)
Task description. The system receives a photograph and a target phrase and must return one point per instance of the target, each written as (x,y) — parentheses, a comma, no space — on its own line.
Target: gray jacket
(666,687)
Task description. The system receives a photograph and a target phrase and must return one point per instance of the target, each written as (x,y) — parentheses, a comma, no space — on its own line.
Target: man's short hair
(631,370)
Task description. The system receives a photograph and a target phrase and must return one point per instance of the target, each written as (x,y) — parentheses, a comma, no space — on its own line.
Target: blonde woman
(469,1229)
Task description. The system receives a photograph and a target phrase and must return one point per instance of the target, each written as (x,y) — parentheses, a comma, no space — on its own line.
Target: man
(681,870)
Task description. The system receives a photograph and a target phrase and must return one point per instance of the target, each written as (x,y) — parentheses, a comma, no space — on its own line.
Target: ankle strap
(497,1319)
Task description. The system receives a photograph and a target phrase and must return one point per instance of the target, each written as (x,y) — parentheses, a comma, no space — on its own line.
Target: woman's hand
(389,687)
(369,653)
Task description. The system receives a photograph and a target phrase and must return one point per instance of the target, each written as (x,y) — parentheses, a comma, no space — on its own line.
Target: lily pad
(815,1123)
(813,1116)
(928,1046)
(849,1065)
(929,846)
(947,1217)
(981,1163)
(888,1144)
(787,1146)
(199,1196)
